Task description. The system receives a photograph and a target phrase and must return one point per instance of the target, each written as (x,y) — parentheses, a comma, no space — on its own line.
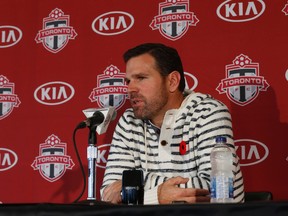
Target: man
(168,133)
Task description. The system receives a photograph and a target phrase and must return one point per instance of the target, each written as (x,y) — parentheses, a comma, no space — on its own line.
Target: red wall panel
(45,84)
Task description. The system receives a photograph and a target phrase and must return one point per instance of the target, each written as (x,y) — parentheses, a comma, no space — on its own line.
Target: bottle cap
(221,139)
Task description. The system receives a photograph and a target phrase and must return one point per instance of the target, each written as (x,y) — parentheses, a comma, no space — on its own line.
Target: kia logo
(250,151)
(240,10)
(113,23)
(102,155)
(9,36)
(54,93)
(190,80)
(8,159)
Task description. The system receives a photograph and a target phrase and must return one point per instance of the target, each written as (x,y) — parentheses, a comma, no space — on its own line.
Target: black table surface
(101,208)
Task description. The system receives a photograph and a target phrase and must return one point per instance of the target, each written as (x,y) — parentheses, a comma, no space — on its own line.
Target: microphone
(96,119)
(99,117)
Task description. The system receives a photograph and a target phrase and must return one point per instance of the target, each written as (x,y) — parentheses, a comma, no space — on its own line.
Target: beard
(150,107)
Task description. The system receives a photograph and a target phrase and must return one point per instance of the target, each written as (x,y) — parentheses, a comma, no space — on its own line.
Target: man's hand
(112,193)
(169,192)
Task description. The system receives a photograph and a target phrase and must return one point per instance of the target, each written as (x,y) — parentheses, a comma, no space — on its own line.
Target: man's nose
(132,87)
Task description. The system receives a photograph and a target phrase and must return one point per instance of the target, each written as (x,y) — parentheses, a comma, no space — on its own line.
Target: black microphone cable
(79,126)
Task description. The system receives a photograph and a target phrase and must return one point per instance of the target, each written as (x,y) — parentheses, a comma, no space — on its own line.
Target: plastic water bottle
(221,173)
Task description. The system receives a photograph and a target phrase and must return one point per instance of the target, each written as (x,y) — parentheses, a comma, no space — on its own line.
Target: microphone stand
(92,156)
(92,152)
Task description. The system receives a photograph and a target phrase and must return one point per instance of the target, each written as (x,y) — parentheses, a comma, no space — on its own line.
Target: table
(99,209)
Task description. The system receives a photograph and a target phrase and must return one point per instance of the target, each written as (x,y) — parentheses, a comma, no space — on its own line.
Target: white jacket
(197,122)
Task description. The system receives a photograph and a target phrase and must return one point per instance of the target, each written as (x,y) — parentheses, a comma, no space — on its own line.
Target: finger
(202,192)
(191,192)
(112,197)
(106,196)
(105,193)
(112,192)
(196,199)
(177,180)
(202,198)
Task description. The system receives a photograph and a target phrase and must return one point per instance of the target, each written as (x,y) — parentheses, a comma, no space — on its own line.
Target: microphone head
(96,119)
(99,115)
(109,114)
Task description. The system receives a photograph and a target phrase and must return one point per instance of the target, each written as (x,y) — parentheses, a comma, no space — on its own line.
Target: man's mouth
(134,102)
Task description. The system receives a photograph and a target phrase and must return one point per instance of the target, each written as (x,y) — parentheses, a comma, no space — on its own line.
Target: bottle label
(221,187)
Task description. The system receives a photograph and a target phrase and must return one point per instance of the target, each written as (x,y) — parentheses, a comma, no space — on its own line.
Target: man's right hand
(112,193)
(169,192)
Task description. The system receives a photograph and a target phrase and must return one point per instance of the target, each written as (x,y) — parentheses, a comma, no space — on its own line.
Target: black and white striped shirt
(136,144)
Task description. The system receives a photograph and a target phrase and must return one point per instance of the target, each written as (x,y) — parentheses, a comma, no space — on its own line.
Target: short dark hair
(167,59)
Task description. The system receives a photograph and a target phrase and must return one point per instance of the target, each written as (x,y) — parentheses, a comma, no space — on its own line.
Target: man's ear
(173,81)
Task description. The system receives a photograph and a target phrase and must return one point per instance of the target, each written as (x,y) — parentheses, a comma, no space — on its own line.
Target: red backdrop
(60,57)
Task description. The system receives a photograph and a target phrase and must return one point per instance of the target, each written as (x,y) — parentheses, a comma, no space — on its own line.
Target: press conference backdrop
(60,57)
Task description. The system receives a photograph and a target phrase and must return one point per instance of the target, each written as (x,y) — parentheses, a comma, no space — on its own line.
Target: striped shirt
(137,144)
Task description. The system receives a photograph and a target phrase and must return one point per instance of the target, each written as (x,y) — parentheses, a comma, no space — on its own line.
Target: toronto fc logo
(8,99)
(53,160)
(242,83)
(56,31)
(111,88)
(174,19)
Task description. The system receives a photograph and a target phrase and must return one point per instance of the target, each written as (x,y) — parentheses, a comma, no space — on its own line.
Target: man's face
(146,88)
